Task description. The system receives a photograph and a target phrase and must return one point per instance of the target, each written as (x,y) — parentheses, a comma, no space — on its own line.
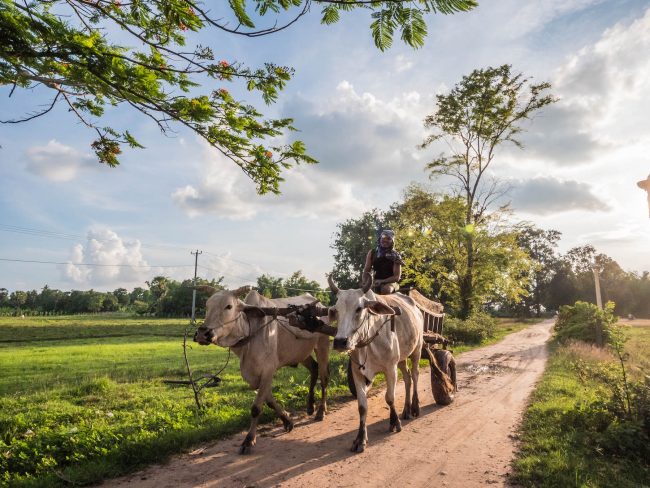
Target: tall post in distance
(599,304)
(196,263)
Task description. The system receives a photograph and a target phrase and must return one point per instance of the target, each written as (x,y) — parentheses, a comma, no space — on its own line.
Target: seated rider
(386,263)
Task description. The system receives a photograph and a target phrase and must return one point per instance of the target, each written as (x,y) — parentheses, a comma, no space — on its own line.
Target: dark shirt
(383,267)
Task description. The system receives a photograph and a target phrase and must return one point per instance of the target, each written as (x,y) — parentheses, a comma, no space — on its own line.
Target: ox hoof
(247,445)
(320,415)
(406,415)
(396,427)
(288,424)
(358,446)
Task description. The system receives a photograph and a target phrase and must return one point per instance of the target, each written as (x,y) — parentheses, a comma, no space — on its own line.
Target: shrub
(585,322)
(478,327)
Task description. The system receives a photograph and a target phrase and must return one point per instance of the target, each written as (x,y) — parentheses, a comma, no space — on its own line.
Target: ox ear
(210,290)
(378,308)
(253,311)
(332,315)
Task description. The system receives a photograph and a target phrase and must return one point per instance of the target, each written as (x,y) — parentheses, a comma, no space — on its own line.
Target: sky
(360,112)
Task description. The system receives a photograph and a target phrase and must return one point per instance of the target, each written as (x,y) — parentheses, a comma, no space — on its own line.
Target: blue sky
(360,112)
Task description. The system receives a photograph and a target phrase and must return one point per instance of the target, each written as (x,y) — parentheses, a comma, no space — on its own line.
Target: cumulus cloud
(225,191)
(603,103)
(56,161)
(362,138)
(547,195)
(113,261)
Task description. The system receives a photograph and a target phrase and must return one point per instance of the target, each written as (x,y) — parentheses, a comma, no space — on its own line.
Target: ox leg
(312,366)
(284,415)
(322,354)
(360,442)
(391,382)
(262,394)
(415,375)
(406,374)
(452,371)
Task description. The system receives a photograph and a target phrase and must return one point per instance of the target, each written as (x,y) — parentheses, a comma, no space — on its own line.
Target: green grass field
(82,398)
(569,436)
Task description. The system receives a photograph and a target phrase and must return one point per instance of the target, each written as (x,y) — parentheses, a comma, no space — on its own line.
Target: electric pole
(196,263)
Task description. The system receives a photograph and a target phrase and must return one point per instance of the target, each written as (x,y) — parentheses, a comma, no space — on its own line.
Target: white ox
(364,330)
(264,344)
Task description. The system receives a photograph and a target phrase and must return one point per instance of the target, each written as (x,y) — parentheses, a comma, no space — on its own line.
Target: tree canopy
(89,55)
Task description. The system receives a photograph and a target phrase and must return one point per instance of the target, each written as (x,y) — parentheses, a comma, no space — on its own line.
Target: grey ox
(264,344)
(379,341)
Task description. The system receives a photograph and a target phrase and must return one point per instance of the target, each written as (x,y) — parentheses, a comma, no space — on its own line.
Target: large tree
(90,54)
(434,242)
(483,111)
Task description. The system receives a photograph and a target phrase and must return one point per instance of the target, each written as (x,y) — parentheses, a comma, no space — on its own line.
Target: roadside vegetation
(588,423)
(82,398)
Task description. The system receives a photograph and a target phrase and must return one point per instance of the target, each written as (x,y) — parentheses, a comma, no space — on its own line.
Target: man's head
(387,239)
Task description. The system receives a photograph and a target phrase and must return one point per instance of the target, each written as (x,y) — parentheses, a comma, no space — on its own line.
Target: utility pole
(196,263)
(599,304)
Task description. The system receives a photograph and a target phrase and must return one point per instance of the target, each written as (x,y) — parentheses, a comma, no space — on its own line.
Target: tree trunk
(467,283)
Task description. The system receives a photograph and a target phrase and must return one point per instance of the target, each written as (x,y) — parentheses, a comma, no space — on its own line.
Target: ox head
(224,317)
(355,312)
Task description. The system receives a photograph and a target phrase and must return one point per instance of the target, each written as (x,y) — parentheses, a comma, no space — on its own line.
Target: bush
(478,327)
(585,322)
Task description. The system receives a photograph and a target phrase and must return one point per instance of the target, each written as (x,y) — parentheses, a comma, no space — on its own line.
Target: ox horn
(333,287)
(211,290)
(242,289)
(367,283)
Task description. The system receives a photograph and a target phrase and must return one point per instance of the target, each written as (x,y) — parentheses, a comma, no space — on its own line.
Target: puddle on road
(477,369)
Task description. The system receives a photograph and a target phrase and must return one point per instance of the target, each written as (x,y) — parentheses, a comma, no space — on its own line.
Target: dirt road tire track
(469,443)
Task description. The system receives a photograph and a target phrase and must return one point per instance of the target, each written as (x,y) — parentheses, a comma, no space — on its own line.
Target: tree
(122,296)
(271,287)
(70,50)
(18,299)
(540,245)
(483,111)
(351,244)
(297,284)
(434,245)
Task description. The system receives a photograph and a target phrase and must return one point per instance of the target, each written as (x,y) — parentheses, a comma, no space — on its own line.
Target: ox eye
(228,307)
(359,309)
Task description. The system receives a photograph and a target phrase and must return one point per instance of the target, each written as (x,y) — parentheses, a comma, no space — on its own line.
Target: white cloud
(114,262)
(402,63)
(225,191)
(56,161)
(547,195)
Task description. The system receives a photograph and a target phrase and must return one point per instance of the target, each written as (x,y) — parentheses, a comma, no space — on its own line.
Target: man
(386,263)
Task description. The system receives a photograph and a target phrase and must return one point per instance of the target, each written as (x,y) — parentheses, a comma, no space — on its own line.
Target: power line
(99,264)
(72,237)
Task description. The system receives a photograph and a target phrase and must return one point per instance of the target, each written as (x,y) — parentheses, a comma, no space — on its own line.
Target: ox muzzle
(203,336)
(341,344)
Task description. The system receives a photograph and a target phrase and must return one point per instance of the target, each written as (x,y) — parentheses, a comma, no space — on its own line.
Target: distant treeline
(163,297)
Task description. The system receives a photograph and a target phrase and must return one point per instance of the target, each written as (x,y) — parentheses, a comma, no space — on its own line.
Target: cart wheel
(351,385)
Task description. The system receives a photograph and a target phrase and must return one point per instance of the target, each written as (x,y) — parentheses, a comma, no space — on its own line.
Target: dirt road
(469,443)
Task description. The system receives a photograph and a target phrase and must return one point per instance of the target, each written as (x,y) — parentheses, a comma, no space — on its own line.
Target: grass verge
(573,432)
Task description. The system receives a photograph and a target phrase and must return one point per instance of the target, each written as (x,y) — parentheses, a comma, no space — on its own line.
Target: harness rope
(369,341)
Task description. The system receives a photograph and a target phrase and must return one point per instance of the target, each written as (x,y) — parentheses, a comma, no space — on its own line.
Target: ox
(264,344)
(379,341)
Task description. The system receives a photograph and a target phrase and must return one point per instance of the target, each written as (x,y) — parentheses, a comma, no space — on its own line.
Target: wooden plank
(429,306)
